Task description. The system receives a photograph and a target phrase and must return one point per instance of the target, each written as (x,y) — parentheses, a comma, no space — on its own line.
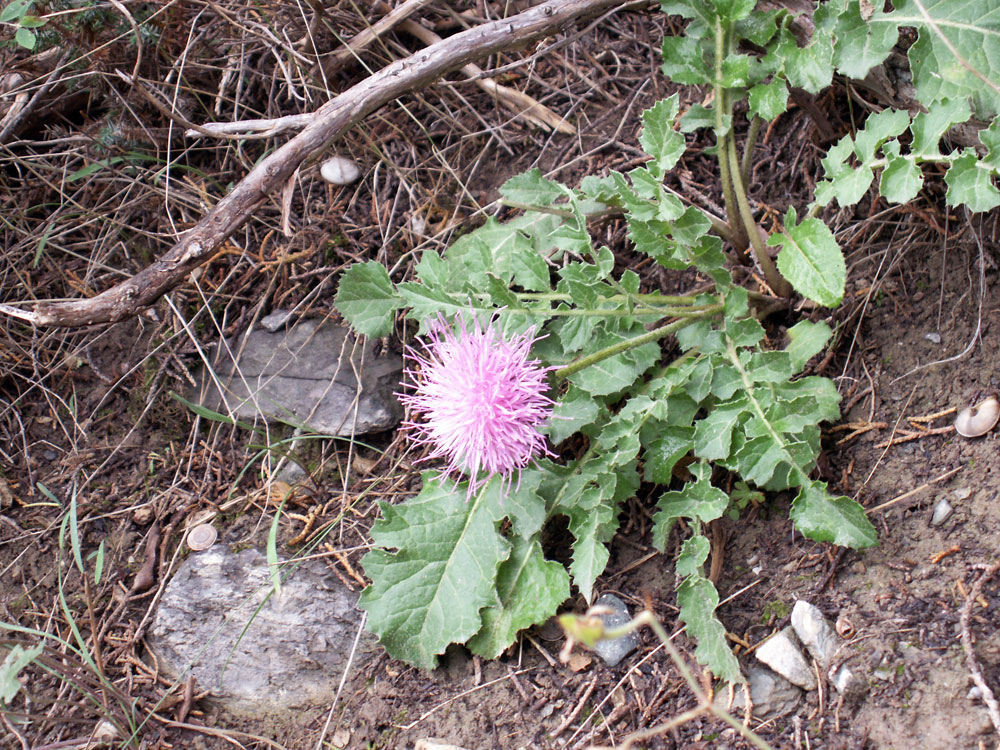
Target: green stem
(660,312)
(739,235)
(653,299)
(655,335)
(747,161)
(776,281)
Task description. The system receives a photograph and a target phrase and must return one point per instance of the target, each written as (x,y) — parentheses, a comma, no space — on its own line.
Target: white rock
(942,510)
(431,743)
(340,170)
(815,633)
(781,653)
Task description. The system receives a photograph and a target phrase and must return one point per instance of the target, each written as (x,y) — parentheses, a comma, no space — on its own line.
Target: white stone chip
(340,170)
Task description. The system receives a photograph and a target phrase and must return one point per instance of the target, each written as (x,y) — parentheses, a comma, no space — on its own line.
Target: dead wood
(329,122)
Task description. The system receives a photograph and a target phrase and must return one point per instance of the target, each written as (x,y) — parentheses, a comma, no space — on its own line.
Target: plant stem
(775,280)
(653,299)
(739,236)
(655,335)
(748,148)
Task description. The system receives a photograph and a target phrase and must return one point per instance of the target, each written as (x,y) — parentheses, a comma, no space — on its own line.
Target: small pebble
(975,693)
(615,650)
(942,510)
(933,337)
(962,493)
(340,171)
(275,320)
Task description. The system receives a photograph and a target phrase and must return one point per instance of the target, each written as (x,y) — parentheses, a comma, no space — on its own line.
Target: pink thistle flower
(480,399)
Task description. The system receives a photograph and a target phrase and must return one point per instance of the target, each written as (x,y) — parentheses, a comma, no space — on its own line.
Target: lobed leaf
(811,260)
(367,300)
(825,518)
(429,592)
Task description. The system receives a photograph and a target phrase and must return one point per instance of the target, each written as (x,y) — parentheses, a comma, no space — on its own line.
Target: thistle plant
(463,562)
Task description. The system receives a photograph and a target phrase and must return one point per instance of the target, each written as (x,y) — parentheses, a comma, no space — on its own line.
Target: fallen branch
(329,122)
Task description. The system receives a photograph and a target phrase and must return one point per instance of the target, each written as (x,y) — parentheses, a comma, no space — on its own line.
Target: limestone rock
(613,651)
(289,652)
(307,375)
(782,654)
(772,695)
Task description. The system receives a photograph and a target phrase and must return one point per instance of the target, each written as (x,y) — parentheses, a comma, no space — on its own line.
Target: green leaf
(25,38)
(806,340)
(944,28)
(733,10)
(713,435)
(32,22)
(683,61)
(427,303)
(768,100)
(658,137)
(809,67)
(970,184)
(17,659)
(879,127)
(529,590)
(862,44)
(14,10)
(532,188)
(429,592)
(811,260)
(367,300)
(531,272)
(671,444)
(928,127)
(825,518)
(592,522)
(693,554)
(696,118)
(697,600)
(696,500)
(901,178)
(619,371)
(575,410)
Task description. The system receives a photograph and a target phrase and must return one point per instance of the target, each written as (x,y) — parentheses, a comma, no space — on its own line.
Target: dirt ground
(88,417)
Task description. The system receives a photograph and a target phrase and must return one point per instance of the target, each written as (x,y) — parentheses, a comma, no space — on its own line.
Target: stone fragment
(613,651)
(275,320)
(942,511)
(339,170)
(782,654)
(257,651)
(772,695)
(934,337)
(307,375)
(820,639)
(431,743)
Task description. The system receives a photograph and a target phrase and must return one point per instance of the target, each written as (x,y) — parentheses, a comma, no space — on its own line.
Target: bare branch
(328,123)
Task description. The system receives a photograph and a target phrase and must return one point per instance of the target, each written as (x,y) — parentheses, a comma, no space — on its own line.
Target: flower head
(480,399)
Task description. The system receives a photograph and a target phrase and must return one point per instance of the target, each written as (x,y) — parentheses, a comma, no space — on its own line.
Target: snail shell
(202,537)
(978,420)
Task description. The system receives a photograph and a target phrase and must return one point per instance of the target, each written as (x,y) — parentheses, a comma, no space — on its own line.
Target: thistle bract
(477,400)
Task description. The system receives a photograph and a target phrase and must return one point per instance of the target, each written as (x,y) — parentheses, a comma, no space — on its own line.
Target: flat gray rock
(613,651)
(772,695)
(307,376)
(290,652)
(781,653)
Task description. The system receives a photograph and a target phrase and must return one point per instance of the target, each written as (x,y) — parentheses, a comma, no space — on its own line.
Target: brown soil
(89,414)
